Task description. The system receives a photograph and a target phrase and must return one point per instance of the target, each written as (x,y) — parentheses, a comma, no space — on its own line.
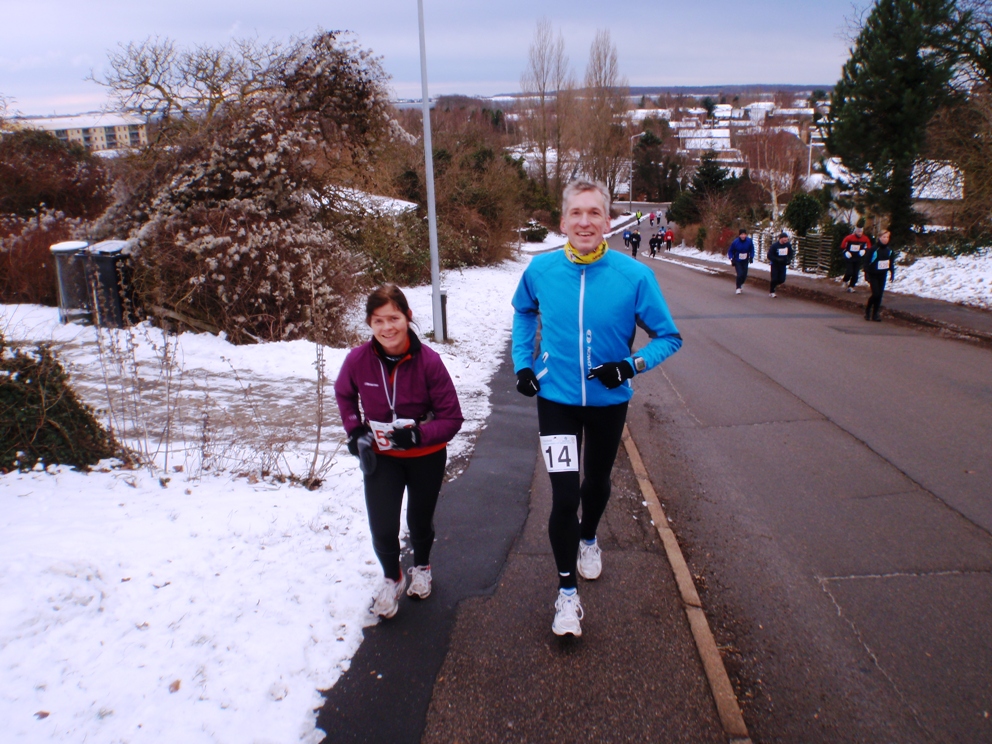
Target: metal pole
(439,334)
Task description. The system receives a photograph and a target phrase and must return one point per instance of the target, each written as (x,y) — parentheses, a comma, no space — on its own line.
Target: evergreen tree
(710,178)
(803,213)
(897,76)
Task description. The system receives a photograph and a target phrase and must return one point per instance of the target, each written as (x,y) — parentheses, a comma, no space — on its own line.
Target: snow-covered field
(211,608)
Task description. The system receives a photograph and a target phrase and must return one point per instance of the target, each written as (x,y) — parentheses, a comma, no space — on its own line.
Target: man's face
(783,240)
(585,221)
(858,231)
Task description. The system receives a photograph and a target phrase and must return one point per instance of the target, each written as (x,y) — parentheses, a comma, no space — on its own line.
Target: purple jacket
(422,386)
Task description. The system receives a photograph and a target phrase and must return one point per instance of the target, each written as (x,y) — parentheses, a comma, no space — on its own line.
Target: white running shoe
(387,598)
(568,612)
(850,289)
(420,582)
(738,291)
(772,294)
(590,560)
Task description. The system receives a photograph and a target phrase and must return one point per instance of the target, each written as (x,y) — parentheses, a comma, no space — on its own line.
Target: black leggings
(778,275)
(877,283)
(421,477)
(601,427)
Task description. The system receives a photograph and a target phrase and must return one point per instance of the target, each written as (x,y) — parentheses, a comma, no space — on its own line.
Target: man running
(741,255)
(589,301)
(853,248)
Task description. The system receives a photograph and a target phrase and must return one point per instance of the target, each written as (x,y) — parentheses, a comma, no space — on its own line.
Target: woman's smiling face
(389,326)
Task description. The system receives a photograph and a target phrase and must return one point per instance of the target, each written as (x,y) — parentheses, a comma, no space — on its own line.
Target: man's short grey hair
(579,185)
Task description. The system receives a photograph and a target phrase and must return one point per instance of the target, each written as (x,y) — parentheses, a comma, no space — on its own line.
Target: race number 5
(560,453)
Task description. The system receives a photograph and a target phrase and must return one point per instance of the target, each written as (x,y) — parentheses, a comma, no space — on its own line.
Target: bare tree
(547,82)
(604,144)
(775,162)
(157,79)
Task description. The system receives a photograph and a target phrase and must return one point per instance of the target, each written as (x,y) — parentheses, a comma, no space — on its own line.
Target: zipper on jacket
(582,333)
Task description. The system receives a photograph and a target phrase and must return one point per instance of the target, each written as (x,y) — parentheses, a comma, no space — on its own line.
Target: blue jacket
(589,314)
(740,246)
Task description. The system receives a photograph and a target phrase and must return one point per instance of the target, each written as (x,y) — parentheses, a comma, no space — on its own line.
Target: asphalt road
(830,481)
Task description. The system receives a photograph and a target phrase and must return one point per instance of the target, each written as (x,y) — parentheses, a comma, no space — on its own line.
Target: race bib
(783,251)
(741,255)
(560,453)
(883,265)
(379,431)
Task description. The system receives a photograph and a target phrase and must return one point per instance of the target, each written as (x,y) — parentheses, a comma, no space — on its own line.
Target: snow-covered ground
(206,607)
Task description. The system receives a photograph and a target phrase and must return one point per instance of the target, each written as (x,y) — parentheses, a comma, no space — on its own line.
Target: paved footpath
(477,661)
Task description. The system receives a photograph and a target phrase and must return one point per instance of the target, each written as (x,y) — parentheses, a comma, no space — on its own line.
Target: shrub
(38,170)
(43,419)
(534,233)
(27,267)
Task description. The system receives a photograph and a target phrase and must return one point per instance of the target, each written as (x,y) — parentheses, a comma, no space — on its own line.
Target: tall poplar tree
(898,75)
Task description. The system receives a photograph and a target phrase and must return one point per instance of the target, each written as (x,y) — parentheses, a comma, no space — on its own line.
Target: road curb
(728,709)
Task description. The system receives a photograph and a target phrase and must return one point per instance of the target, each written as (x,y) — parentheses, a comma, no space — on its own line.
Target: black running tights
(600,428)
(421,477)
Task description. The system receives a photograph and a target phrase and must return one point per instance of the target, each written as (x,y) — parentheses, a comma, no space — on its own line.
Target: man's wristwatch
(639,364)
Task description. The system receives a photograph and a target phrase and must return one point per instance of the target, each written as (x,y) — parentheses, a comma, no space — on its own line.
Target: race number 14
(560,452)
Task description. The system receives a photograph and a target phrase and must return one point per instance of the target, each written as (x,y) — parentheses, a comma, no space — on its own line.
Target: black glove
(404,439)
(612,374)
(355,435)
(360,444)
(527,383)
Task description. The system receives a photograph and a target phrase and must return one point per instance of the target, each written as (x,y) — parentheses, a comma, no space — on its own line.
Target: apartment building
(97,132)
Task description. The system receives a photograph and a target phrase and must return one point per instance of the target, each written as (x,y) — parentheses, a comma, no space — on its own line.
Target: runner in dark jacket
(780,256)
(878,262)
(654,242)
(400,409)
(635,242)
(741,255)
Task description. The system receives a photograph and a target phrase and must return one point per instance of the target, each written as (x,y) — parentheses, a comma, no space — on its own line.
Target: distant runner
(879,261)
(588,294)
(780,255)
(741,255)
(853,248)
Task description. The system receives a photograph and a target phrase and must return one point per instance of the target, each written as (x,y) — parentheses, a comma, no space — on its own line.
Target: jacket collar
(414,349)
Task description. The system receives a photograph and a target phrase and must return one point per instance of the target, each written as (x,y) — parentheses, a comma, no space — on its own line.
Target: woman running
(399,409)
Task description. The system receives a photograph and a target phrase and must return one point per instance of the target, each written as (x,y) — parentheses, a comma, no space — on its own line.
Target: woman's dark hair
(383,296)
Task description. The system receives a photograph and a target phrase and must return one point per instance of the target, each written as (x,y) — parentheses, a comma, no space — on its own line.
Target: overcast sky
(49,47)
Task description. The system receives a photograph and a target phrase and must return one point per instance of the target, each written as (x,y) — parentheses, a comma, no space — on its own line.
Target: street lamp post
(439,331)
(630,186)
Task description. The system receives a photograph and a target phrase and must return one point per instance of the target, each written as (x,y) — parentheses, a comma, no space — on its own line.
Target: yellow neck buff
(577,258)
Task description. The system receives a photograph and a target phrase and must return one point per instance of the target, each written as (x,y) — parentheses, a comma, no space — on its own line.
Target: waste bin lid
(110,246)
(69,246)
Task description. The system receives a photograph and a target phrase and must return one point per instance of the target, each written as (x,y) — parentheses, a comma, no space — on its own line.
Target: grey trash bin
(70,272)
(108,278)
